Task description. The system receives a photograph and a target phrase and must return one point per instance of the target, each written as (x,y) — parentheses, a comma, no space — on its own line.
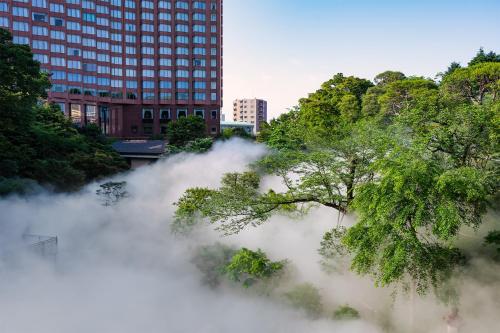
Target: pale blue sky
(280,50)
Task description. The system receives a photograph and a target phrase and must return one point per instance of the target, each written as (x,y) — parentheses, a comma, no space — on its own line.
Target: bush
(251,267)
(17,186)
(184,130)
(306,297)
(345,312)
(235,132)
(211,260)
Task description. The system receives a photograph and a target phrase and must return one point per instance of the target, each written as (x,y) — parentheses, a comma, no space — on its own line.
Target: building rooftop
(235,123)
(139,147)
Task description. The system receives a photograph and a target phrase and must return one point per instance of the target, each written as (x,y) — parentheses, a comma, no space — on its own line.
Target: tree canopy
(416,160)
(185,130)
(36,141)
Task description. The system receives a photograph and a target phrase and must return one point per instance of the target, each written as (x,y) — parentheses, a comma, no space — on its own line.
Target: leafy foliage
(250,267)
(478,83)
(185,130)
(36,141)
(237,202)
(212,260)
(415,160)
(238,132)
(482,57)
(198,146)
(493,239)
(306,297)
(345,312)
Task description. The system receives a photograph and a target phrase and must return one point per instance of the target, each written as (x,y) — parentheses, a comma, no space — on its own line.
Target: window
(40,31)
(76,113)
(56,21)
(199,17)
(180,96)
(198,96)
(38,17)
(58,75)
(20,26)
(165,85)
(182,85)
(20,40)
(148,84)
(41,58)
(165,114)
(40,45)
(199,113)
(181,5)
(90,114)
(199,5)
(147,114)
(20,11)
(199,85)
(182,73)
(181,113)
(199,73)
(56,8)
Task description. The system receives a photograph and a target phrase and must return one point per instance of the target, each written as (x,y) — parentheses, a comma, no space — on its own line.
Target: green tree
(251,267)
(185,130)
(416,164)
(476,84)
(36,141)
(493,239)
(482,57)
(21,86)
(453,66)
(388,77)
(306,297)
(238,132)
(345,312)
(211,260)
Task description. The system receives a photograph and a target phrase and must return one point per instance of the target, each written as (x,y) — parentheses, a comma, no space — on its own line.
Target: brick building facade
(130,66)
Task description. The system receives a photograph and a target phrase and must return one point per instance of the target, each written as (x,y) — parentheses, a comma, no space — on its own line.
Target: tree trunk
(350,182)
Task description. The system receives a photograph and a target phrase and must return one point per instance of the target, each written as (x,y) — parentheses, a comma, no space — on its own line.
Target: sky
(281,50)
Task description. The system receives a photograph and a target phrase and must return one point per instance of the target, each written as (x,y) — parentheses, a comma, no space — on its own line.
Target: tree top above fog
(414,159)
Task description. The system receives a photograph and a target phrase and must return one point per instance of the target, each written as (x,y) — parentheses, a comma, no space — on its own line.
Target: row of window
(146,84)
(76,64)
(86,4)
(166,114)
(90,42)
(118,14)
(132,95)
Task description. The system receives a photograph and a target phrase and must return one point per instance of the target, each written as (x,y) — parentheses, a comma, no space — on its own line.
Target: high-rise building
(129,65)
(252,111)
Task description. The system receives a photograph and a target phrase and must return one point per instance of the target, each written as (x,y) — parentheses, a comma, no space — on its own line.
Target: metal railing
(45,246)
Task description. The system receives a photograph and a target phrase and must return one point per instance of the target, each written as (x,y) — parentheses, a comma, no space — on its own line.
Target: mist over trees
(414,159)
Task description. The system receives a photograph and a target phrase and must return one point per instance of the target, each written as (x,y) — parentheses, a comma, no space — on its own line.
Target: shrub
(345,312)
(306,297)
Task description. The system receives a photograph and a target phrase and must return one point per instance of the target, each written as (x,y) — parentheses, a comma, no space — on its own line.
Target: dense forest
(414,159)
(38,144)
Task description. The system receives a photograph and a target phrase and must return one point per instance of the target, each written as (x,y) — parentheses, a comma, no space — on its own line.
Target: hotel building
(252,111)
(130,66)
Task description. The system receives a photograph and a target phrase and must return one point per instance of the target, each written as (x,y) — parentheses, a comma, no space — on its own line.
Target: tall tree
(482,57)
(22,84)
(186,129)
(415,160)
(36,141)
